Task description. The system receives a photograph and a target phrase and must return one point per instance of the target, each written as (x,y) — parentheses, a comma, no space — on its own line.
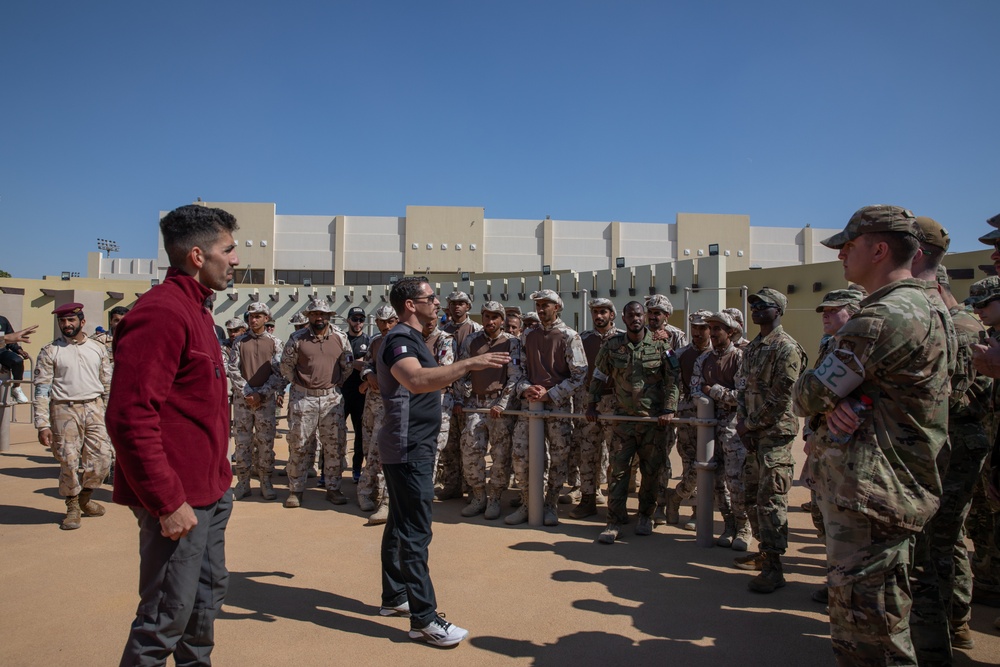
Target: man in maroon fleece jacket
(168,418)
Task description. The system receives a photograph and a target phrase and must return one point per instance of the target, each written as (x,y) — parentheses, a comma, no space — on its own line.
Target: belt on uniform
(488,395)
(80,402)
(315,392)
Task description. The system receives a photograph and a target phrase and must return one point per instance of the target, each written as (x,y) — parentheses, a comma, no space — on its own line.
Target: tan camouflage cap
(659,302)
(772,297)
(530,316)
(982,291)
(991,238)
(839,298)
(933,233)
(385,313)
(736,314)
(871,219)
(235,324)
(601,302)
(297,319)
(494,307)
(258,307)
(698,317)
(459,296)
(547,295)
(725,319)
(317,306)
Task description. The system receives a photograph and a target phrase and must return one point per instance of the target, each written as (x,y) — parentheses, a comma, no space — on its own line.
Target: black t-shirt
(412,421)
(359,345)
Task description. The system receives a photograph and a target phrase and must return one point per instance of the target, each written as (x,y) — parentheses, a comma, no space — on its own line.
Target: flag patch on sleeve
(399,350)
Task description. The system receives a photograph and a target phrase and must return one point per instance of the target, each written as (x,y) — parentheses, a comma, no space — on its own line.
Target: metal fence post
(706,473)
(536,464)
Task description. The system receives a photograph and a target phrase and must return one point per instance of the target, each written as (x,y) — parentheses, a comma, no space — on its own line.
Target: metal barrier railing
(705,421)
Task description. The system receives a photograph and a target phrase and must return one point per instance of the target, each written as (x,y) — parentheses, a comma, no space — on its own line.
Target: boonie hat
(871,219)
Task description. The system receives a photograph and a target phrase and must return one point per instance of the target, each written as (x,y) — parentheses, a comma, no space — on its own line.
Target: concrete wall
(442,239)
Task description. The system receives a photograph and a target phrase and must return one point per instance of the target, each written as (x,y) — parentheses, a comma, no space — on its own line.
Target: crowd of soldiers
(898,474)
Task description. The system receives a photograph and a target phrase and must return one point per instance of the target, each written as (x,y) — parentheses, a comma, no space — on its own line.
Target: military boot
(72,520)
(744,535)
(754,561)
(336,496)
(550,510)
(381,514)
(242,489)
(770,578)
(728,533)
(599,498)
(586,507)
(366,503)
(266,488)
(87,506)
(571,496)
(477,504)
(492,508)
(520,515)
(692,523)
(294,499)
(673,508)
(449,492)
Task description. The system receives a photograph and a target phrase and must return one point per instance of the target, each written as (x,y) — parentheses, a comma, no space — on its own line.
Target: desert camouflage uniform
(316,416)
(255,428)
(447,466)
(105,339)
(881,487)
(452,457)
(771,364)
(75,412)
(372,481)
(676,339)
(687,434)
(481,429)
(643,376)
(730,454)
(564,381)
(593,441)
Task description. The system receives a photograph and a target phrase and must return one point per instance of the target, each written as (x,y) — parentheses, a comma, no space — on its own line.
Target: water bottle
(842,439)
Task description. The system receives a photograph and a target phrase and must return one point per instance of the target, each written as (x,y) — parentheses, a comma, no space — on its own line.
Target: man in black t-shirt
(354,400)
(411,380)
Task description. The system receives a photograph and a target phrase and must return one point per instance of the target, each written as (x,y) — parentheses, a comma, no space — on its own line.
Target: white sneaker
(19,395)
(440,633)
(402,609)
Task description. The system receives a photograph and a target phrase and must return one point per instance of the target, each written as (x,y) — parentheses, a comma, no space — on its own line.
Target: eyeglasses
(430,298)
(357,319)
(760,305)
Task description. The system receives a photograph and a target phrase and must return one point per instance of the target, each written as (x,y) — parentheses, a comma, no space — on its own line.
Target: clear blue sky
(792,112)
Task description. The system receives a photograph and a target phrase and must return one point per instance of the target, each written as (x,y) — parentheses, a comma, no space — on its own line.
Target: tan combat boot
(242,489)
(571,496)
(744,535)
(770,578)
(381,514)
(72,520)
(492,508)
(587,507)
(266,488)
(294,499)
(477,504)
(87,506)
(673,508)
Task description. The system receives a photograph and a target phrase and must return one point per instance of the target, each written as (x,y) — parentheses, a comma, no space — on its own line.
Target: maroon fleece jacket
(168,413)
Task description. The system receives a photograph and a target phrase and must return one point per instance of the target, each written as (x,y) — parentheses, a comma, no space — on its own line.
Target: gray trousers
(181,588)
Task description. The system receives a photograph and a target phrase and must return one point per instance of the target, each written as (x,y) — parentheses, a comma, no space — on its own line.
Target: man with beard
(371,485)
(354,400)
(72,383)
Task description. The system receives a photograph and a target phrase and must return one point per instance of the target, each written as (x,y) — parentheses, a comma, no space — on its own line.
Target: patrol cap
(659,302)
(235,324)
(459,296)
(942,276)
(932,232)
(68,309)
(771,297)
(530,316)
(991,238)
(494,307)
(356,310)
(871,219)
(601,302)
(982,291)
(547,295)
(385,313)
(298,318)
(839,298)
(317,306)
(258,307)
(698,317)
(725,319)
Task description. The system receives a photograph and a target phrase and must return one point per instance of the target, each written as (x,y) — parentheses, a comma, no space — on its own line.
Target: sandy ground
(305,588)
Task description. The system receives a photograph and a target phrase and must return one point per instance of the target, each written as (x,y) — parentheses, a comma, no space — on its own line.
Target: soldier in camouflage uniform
(253,367)
(643,372)
(658,310)
(459,326)
(72,383)
(739,339)
(316,361)
(553,365)
(105,338)
(371,485)
(714,376)
(687,434)
(592,440)
(766,426)
(447,469)
(880,488)
(492,389)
